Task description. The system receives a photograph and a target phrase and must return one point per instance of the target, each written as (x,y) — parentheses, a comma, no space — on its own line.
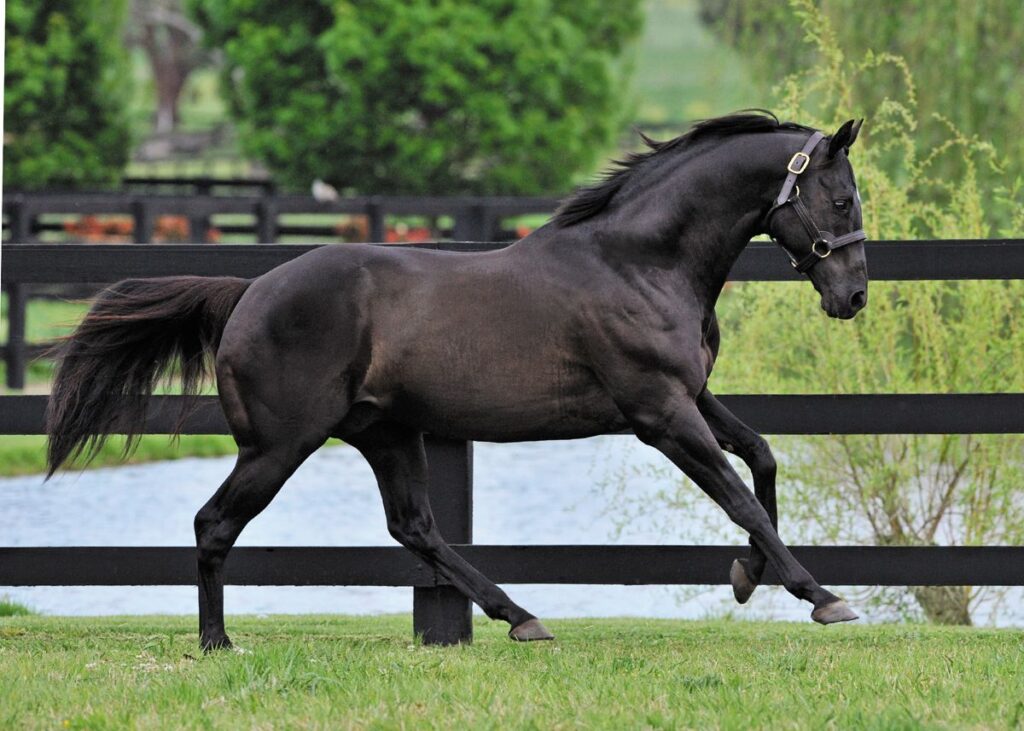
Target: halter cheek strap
(823,243)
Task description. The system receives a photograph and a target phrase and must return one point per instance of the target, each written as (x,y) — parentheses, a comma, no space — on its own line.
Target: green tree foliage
(66,92)
(965,55)
(424,96)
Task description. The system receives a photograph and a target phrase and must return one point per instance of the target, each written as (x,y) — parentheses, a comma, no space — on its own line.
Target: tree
(172,44)
(965,56)
(421,96)
(66,93)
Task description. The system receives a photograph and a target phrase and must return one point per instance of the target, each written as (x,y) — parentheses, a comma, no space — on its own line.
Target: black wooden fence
(475,218)
(440,613)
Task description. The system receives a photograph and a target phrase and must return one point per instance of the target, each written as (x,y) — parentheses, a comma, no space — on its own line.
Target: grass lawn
(365,672)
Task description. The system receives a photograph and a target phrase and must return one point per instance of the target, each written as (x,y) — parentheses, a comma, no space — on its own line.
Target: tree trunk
(944,604)
(171,56)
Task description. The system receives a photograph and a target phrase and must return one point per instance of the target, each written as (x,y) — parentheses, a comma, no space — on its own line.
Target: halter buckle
(798,163)
(814,248)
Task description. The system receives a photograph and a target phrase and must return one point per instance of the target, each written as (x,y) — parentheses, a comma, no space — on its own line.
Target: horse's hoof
(220,643)
(530,631)
(742,586)
(837,611)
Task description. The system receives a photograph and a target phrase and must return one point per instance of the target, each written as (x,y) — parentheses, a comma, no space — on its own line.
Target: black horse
(603,320)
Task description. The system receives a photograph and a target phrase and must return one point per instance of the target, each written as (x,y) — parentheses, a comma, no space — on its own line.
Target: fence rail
(476,218)
(31,264)
(536,564)
(932,413)
(440,613)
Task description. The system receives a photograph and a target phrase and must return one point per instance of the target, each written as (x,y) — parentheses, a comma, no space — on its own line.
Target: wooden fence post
(474,223)
(199,217)
(144,222)
(442,615)
(375,223)
(266,220)
(15,351)
(20,218)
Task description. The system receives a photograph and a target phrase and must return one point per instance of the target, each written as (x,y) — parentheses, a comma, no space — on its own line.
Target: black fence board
(991,413)
(579,564)
(72,263)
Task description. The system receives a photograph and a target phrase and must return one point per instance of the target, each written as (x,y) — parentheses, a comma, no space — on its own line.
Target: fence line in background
(476,218)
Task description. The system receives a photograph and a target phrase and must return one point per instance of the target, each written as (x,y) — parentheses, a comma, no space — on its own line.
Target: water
(540,493)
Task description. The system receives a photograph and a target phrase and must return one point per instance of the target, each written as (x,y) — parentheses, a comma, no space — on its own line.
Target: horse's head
(816,218)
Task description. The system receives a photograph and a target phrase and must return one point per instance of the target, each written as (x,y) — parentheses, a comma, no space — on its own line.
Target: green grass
(10,608)
(26,454)
(348,672)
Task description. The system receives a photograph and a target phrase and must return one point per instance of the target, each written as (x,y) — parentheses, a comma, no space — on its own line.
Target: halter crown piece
(823,243)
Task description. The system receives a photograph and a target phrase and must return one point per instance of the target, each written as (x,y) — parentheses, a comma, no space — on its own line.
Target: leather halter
(823,243)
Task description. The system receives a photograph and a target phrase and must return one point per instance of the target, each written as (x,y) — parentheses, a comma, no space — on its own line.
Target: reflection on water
(537,493)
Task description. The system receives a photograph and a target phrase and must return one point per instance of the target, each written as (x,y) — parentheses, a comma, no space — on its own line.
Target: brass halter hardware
(823,243)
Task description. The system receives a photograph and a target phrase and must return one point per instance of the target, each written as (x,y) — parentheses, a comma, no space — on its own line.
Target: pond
(540,493)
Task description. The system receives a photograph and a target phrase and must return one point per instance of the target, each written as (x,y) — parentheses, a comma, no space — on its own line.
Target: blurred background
(314,106)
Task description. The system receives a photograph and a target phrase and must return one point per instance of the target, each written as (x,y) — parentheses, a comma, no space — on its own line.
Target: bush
(418,97)
(66,93)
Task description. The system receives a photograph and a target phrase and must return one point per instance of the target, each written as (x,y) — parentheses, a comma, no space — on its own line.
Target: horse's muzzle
(844,308)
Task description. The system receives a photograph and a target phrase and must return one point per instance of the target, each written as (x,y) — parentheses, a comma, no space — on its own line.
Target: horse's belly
(501,405)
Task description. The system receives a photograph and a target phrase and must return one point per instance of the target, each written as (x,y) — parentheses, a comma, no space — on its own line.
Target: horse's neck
(701,217)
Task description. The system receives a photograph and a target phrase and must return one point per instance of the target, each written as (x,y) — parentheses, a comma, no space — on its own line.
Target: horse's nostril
(858,298)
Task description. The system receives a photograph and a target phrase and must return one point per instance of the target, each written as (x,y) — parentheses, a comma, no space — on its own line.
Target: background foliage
(424,97)
(66,93)
(965,56)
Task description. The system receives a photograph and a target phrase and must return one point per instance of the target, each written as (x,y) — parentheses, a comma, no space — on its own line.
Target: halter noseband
(823,243)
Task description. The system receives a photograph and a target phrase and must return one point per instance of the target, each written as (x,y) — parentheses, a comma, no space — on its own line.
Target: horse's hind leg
(253,483)
(397,457)
(736,437)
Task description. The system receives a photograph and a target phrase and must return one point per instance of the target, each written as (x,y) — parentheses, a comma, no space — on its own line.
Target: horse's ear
(844,137)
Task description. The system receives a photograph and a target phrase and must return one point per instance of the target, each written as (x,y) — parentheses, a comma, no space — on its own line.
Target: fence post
(143,227)
(474,223)
(15,351)
(442,615)
(266,220)
(20,219)
(199,207)
(375,223)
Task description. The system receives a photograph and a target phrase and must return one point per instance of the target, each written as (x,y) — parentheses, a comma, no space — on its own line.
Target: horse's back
(471,345)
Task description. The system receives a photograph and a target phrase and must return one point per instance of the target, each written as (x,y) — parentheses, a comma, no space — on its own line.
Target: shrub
(66,93)
(400,96)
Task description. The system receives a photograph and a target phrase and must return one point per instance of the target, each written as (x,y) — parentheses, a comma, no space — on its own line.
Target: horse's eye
(841,205)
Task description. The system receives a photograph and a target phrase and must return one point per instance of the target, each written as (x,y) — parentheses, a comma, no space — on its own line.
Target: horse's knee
(761,460)
(417,533)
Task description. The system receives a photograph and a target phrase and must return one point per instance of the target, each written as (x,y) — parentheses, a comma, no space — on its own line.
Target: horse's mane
(592,199)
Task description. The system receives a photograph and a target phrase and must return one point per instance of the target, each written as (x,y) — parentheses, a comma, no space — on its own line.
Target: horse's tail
(134,332)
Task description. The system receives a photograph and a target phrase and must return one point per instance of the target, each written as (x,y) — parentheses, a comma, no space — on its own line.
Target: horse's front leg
(736,437)
(677,429)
